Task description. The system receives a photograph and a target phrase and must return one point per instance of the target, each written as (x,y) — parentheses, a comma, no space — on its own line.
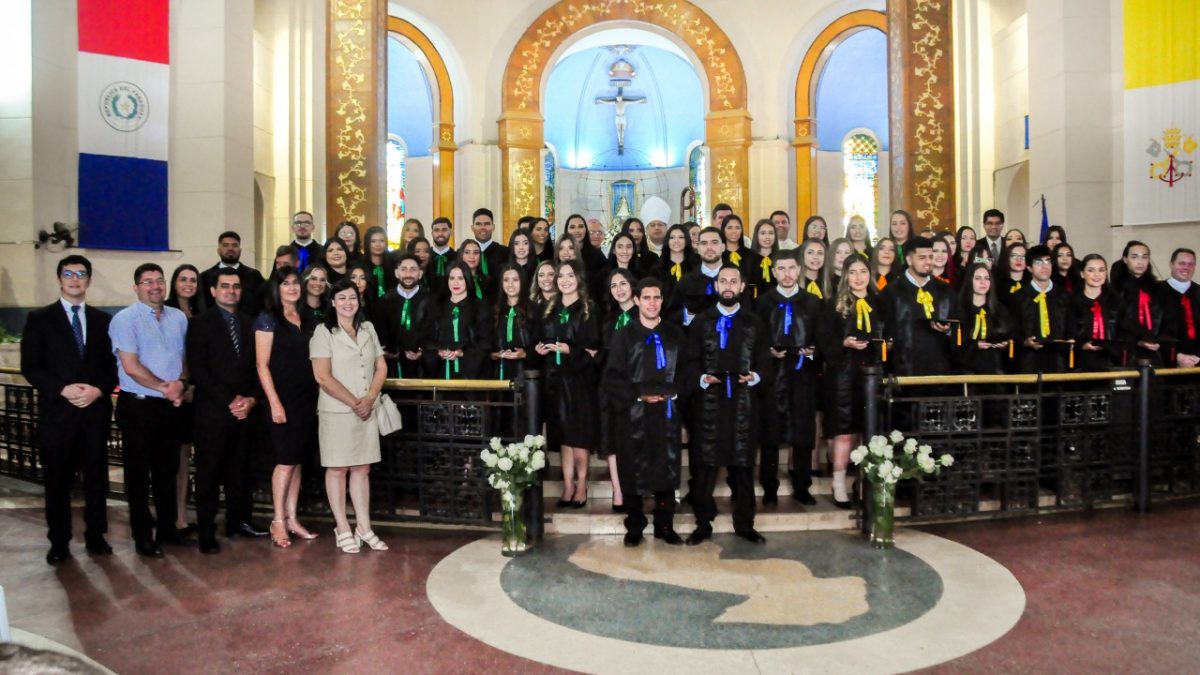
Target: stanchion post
(1143,463)
(871,378)
(534,525)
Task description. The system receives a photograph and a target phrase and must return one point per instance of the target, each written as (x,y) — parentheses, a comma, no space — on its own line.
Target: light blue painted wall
(410,101)
(852,91)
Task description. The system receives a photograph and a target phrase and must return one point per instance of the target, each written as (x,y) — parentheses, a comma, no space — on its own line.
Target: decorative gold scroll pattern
(928,134)
(525,176)
(723,67)
(726,186)
(352,49)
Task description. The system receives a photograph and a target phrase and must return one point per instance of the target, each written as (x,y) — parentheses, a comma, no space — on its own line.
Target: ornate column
(805,145)
(521,140)
(443,172)
(727,135)
(921,102)
(355,112)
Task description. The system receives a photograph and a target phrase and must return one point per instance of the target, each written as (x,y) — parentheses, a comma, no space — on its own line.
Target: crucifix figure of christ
(619,102)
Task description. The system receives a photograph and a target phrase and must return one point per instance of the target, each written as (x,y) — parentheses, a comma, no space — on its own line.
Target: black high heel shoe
(580,505)
(565,503)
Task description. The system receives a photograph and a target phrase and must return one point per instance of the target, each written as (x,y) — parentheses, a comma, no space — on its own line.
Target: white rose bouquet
(893,458)
(513,467)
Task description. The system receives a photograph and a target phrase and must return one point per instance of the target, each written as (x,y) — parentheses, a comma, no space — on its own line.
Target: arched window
(860,164)
(549,181)
(698,180)
(397,153)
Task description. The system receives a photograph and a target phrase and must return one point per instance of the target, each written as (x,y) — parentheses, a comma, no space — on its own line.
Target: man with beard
(229,248)
(790,412)
(494,253)
(697,290)
(308,251)
(399,317)
(921,309)
(733,358)
(1181,296)
(441,253)
(645,377)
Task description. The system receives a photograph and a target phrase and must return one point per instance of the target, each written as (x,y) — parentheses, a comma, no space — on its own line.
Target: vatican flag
(1162,111)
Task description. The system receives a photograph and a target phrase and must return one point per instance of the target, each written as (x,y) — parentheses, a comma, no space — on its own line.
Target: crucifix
(619,102)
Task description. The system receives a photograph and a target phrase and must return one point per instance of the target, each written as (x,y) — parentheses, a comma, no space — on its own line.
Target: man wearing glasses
(1042,308)
(148,339)
(67,356)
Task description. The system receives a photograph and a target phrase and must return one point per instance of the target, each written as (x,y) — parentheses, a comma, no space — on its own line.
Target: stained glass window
(860,163)
(698,180)
(397,154)
(550,179)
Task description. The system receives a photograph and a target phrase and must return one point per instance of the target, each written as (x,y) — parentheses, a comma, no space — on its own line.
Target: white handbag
(387,415)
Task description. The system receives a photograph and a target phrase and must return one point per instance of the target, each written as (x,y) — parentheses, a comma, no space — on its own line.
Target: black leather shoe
(579,505)
(699,536)
(148,549)
(618,508)
(841,505)
(770,498)
(565,503)
(633,539)
(57,554)
(245,530)
(98,546)
(173,538)
(187,530)
(804,497)
(669,537)
(208,544)
(752,536)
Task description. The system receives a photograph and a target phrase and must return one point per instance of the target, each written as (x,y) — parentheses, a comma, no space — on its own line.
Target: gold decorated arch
(444,147)
(727,122)
(805,141)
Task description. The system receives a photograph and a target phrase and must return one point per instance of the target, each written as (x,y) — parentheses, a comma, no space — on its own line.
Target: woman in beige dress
(349,366)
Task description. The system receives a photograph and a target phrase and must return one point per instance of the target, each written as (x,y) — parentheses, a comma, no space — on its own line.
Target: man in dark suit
(220,353)
(67,356)
(495,254)
(229,248)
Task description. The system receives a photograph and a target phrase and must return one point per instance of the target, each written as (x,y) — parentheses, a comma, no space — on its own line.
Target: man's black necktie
(77,328)
(235,333)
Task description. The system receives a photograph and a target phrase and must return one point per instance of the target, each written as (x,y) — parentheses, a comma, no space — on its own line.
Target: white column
(974,121)
(770,178)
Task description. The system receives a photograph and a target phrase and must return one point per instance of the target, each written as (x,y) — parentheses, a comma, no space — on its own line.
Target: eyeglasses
(1040,261)
(75,274)
(152,282)
(1016,257)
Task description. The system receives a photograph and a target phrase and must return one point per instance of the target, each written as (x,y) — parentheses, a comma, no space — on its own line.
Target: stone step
(554,458)
(600,487)
(597,518)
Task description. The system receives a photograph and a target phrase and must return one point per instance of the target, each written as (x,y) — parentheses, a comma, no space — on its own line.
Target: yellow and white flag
(1162,111)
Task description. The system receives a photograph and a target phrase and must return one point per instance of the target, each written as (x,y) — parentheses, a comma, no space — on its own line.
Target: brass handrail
(459,385)
(921,380)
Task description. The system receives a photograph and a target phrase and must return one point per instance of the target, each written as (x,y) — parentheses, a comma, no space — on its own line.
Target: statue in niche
(620,75)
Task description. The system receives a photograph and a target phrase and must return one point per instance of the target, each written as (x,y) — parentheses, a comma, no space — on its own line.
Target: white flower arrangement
(513,467)
(894,458)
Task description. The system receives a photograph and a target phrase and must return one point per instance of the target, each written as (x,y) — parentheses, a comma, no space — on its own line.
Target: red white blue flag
(124,94)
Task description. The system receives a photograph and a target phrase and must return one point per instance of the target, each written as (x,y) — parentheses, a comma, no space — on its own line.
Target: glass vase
(883,514)
(512,524)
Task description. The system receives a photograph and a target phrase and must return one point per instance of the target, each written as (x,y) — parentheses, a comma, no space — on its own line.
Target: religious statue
(619,102)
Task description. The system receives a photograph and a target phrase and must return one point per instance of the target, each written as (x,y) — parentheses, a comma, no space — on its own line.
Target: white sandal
(369,539)
(346,541)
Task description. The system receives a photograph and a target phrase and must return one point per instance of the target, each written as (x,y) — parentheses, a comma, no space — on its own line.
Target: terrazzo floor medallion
(804,602)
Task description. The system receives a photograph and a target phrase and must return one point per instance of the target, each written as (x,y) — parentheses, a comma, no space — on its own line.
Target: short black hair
(76,259)
(331,319)
(525,221)
(915,243)
(647,282)
(722,206)
(735,268)
(710,228)
(286,249)
(143,269)
(303,213)
(483,211)
(779,213)
(792,254)
(1039,251)
(993,213)
(225,272)
(441,219)
(1174,254)
(229,234)
(397,259)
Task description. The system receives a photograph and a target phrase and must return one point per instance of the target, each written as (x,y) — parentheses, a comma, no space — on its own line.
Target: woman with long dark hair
(741,257)
(677,259)
(1067,270)
(883,263)
(965,240)
(1093,319)
(815,227)
(1011,273)
(543,243)
(375,261)
(1141,306)
(1055,235)
(900,229)
(471,253)
(185,296)
(595,264)
(621,312)
(458,333)
(513,324)
(520,253)
(765,243)
(812,264)
(337,259)
(983,337)
(347,233)
(643,257)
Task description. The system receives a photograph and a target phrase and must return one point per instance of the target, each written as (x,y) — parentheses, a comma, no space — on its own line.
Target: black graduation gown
(572,401)
(520,336)
(1082,326)
(844,408)
(997,325)
(308,255)
(647,440)
(665,271)
(1051,358)
(596,267)
(725,416)
(789,405)
(1181,319)
(612,326)
(695,293)
(493,259)
(749,263)
(400,331)
(474,337)
(918,349)
(1141,318)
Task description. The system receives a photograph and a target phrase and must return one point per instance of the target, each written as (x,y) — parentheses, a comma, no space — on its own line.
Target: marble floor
(1107,591)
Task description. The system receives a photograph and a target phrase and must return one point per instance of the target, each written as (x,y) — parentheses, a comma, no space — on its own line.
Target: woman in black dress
(765,243)
(1092,319)
(847,338)
(900,230)
(569,341)
(677,259)
(1067,270)
(620,313)
(883,264)
(742,257)
(1141,306)
(513,342)
(185,296)
(380,275)
(520,253)
(595,264)
(983,337)
(281,339)
(458,333)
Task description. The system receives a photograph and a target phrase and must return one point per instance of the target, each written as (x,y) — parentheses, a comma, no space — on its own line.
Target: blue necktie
(77,328)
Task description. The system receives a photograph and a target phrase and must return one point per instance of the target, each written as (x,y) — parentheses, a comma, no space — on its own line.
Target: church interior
(382,111)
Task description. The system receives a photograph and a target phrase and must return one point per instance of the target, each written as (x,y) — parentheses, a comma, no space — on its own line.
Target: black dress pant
(664,511)
(78,442)
(150,443)
(741,483)
(223,458)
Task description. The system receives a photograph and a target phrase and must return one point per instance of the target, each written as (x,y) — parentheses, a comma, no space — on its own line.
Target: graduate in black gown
(982,340)
(495,254)
(458,333)
(677,259)
(643,258)
(742,257)
(520,253)
(920,310)
(1141,303)
(482,285)
(697,290)
(764,242)
(884,268)
(1092,319)
(790,405)
(812,266)
(647,378)
(376,262)
(620,312)
(595,264)
(543,242)
(568,342)
(399,319)
(1181,299)
(441,254)
(513,330)
(1042,308)
(850,331)
(622,256)
(732,349)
